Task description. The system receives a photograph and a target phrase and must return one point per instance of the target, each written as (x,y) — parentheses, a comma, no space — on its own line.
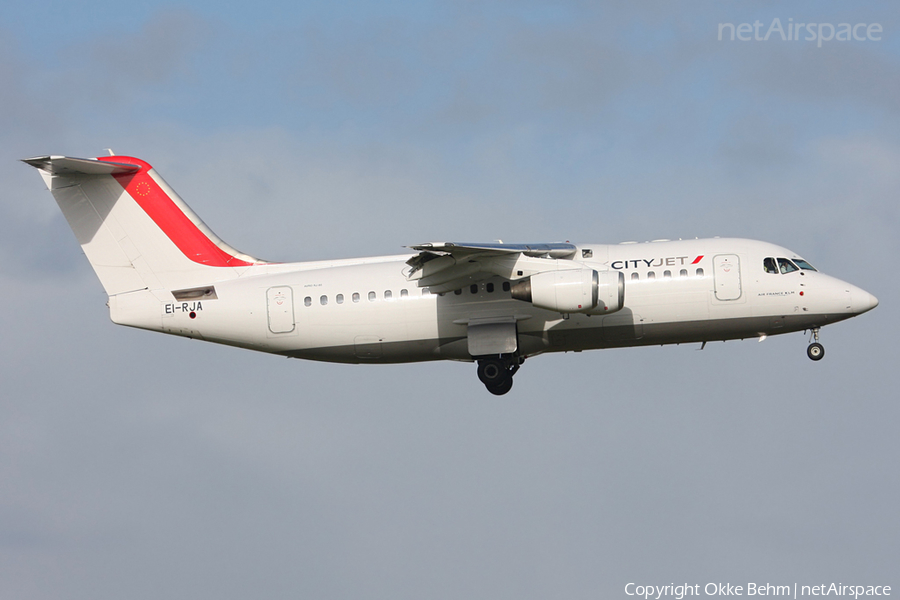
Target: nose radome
(873,301)
(862,301)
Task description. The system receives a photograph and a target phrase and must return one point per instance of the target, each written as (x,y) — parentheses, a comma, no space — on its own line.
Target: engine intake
(573,291)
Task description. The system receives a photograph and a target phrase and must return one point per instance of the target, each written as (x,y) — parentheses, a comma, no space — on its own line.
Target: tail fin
(135,230)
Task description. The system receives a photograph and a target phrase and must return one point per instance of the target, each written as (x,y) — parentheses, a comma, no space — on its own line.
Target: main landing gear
(815,351)
(496,373)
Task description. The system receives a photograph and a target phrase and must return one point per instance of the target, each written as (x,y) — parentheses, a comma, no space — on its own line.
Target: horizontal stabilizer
(64,165)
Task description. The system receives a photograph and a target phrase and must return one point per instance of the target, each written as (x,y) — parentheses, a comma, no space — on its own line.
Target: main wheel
(815,351)
(493,372)
(501,388)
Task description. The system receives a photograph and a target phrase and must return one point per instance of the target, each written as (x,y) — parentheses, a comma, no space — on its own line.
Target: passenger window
(505,286)
(323,300)
(769,265)
(356,296)
(473,288)
(786,266)
(490,288)
(307,301)
(667,274)
(699,272)
(371,296)
(426,292)
(404,293)
(651,275)
(388,295)
(339,299)
(457,292)
(635,275)
(683,273)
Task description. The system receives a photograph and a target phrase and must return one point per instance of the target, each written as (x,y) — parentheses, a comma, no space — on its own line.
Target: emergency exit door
(727,275)
(280,303)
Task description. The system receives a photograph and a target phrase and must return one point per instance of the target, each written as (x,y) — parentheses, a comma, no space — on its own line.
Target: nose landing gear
(815,351)
(497,373)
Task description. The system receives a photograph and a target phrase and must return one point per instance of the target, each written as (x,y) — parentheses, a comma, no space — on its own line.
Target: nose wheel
(497,373)
(815,351)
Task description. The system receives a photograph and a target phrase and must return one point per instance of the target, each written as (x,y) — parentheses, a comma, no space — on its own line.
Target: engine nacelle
(573,291)
(611,292)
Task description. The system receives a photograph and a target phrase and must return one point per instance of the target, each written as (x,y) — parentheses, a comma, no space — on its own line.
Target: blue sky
(135,465)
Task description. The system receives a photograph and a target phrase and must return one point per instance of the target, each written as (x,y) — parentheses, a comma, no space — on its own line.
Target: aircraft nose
(861,300)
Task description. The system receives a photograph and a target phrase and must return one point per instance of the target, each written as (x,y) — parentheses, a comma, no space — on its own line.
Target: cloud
(26,107)
(828,76)
(112,74)
(568,70)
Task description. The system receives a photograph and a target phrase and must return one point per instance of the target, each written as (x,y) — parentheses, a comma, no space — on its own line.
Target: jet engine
(573,291)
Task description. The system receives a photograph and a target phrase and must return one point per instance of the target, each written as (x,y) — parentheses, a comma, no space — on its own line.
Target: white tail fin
(135,230)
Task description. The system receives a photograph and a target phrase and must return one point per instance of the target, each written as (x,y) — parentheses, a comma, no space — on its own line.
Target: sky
(138,465)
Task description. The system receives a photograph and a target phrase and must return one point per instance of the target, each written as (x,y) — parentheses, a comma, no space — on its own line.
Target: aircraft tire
(501,388)
(815,351)
(493,372)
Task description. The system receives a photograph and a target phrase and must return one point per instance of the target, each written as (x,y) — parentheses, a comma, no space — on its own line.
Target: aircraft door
(727,275)
(280,305)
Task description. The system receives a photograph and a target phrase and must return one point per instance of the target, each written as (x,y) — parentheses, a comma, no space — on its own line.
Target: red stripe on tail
(192,242)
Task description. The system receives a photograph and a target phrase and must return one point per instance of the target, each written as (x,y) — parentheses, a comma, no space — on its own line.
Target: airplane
(493,304)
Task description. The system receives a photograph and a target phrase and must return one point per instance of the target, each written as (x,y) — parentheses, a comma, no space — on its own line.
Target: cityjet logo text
(808,32)
(668,261)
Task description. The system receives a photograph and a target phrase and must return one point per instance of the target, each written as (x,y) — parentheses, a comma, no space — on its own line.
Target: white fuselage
(494,303)
(367,310)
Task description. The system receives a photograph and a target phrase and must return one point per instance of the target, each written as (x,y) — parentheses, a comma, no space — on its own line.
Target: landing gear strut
(815,351)
(496,373)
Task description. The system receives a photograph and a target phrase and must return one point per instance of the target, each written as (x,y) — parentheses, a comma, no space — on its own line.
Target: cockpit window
(786,266)
(804,265)
(769,265)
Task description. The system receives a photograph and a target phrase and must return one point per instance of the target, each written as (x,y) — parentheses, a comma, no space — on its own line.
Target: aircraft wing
(445,266)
